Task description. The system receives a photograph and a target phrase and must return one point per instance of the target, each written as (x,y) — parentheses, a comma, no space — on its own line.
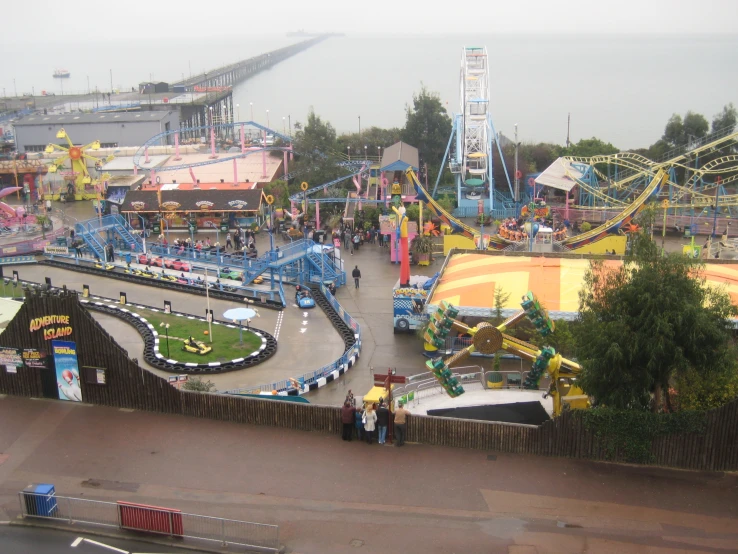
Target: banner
(67,370)
(48,249)
(11,359)
(34,358)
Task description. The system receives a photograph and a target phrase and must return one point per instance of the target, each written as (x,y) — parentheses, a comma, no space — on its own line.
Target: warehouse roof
(73,119)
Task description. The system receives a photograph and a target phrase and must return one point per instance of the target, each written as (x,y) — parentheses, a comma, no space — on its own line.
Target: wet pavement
(330,496)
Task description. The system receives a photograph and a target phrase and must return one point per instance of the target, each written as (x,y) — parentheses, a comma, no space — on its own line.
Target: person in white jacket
(370,421)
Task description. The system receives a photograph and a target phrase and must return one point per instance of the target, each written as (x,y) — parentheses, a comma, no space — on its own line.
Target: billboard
(67,370)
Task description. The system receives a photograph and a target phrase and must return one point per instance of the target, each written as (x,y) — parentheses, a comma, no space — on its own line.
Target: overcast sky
(59,22)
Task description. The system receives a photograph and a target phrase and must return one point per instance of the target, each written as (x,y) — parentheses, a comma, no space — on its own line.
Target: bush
(586,226)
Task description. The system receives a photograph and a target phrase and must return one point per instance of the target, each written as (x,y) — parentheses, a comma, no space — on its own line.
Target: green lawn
(225,340)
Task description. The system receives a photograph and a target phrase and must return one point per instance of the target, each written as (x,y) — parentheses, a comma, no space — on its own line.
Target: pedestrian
(350,398)
(357,241)
(347,418)
(370,421)
(401,424)
(356,274)
(382,422)
(358,416)
(229,244)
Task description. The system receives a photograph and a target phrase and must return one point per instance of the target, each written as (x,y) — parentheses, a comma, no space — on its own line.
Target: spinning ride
(80,184)
(488,339)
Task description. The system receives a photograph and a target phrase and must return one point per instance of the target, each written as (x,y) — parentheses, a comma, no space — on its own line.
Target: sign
(238,204)
(34,358)
(123,298)
(11,359)
(204,205)
(167,307)
(53,326)
(171,205)
(209,316)
(156,228)
(67,370)
(15,276)
(223,226)
(192,226)
(85,291)
(138,206)
(100,374)
(10,250)
(539,212)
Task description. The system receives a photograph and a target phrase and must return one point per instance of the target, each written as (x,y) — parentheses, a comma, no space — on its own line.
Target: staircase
(255,267)
(325,267)
(96,232)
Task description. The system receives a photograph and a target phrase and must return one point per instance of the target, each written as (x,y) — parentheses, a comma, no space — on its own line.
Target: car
(228,273)
(177,265)
(106,266)
(258,280)
(304,298)
(196,347)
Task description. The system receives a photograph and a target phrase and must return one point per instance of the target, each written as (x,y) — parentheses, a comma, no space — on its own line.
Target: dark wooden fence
(129,386)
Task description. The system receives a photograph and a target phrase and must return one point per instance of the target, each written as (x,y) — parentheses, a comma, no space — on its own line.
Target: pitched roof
(193,201)
(399,157)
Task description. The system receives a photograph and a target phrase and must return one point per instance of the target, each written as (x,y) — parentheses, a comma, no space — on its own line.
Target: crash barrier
(257,297)
(30,245)
(350,331)
(149,519)
(152,339)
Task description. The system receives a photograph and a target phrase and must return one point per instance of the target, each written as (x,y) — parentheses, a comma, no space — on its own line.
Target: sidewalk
(329,496)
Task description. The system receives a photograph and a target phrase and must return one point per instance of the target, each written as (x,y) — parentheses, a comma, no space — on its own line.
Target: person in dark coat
(356,274)
(348,418)
(382,422)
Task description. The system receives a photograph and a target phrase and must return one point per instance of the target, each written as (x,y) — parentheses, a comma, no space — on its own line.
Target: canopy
(239,314)
(560,175)
(474,182)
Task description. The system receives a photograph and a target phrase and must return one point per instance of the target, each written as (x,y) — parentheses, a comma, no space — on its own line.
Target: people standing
(358,416)
(356,274)
(401,424)
(370,422)
(347,418)
(229,243)
(382,422)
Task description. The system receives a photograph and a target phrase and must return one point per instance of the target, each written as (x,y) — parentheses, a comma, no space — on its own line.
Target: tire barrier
(155,358)
(170,285)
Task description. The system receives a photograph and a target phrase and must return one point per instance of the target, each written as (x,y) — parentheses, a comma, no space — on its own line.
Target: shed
(399,157)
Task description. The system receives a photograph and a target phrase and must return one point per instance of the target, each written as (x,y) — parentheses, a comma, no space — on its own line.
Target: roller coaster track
(494,242)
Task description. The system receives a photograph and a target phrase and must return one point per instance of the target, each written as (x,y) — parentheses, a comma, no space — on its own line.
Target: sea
(620,88)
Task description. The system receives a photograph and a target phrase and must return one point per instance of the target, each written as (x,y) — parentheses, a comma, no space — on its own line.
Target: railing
(31,245)
(312,377)
(137,517)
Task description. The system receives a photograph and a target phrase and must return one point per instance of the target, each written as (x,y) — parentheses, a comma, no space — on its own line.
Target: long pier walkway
(231,74)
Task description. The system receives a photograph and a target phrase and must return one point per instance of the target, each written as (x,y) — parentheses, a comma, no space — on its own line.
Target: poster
(34,358)
(11,359)
(67,370)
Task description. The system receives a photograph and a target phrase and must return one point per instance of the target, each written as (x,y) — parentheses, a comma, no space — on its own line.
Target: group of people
(373,420)
(352,239)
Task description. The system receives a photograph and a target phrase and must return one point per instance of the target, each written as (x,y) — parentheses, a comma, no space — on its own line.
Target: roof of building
(193,201)
(125,163)
(399,157)
(77,118)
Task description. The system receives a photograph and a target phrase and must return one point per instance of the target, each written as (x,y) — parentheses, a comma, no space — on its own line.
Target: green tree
(695,126)
(590,147)
(695,392)
(725,120)
(316,161)
(428,128)
(562,339)
(674,130)
(650,320)
(501,298)
(375,139)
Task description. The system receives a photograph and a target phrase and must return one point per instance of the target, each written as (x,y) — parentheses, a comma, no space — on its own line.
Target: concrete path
(330,496)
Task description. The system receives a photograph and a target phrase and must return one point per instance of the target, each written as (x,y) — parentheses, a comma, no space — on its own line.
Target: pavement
(329,496)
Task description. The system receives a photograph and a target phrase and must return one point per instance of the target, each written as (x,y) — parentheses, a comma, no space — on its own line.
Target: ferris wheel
(476,132)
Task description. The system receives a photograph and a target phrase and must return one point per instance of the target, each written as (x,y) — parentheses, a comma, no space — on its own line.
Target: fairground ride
(80,184)
(489,339)
(470,146)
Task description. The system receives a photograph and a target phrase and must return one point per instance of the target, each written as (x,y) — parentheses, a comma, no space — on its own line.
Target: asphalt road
(21,540)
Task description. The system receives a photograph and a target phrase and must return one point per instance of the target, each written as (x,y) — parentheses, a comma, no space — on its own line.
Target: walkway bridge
(98,232)
(300,261)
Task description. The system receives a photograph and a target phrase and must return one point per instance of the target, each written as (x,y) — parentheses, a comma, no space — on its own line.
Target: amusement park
(224,269)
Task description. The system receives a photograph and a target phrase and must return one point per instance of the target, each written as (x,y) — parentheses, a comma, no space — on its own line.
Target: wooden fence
(129,386)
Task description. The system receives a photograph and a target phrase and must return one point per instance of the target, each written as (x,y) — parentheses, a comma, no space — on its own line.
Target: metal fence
(31,245)
(161,521)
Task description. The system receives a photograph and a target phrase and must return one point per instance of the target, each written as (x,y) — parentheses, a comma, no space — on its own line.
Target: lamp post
(166,330)
(252,110)
(349,153)
(207,296)
(284,125)
(88,84)
(268,125)
(365,154)
(238,111)
(359,127)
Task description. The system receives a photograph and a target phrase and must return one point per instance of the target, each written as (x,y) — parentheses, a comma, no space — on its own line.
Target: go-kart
(105,266)
(177,265)
(166,277)
(258,280)
(304,298)
(228,273)
(146,273)
(196,347)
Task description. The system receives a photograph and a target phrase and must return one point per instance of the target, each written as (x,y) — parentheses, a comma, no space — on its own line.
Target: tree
(197,384)
(501,298)
(680,131)
(694,392)
(372,138)
(590,147)
(562,339)
(725,120)
(315,144)
(428,127)
(674,130)
(650,320)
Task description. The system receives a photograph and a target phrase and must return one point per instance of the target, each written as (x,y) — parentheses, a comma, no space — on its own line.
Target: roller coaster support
(445,157)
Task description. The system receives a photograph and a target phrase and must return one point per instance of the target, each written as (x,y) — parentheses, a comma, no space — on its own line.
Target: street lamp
(268,119)
(166,330)
(359,126)
(238,110)
(252,110)
(284,125)
(349,152)
(365,147)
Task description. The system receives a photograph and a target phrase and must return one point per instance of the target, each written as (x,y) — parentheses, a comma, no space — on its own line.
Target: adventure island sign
(53,326)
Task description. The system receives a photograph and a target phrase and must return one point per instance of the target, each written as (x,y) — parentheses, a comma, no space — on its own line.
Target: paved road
(327,495)
(26,540)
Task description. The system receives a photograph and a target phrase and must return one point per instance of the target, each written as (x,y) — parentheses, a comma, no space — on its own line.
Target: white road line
(80,540)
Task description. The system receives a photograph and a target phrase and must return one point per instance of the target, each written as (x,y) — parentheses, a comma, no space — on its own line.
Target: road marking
(80,540)
(304,314)
(304,322)
(303,329)
(278,327)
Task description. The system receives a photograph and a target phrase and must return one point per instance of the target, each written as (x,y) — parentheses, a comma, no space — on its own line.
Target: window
(34,147)
(108,145)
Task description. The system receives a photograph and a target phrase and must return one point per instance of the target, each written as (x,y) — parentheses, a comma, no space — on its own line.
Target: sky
(191,20)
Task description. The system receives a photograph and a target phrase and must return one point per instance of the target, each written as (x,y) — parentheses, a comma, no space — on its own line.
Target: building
(114,129)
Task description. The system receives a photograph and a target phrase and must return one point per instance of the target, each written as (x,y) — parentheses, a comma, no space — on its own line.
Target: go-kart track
(306,338)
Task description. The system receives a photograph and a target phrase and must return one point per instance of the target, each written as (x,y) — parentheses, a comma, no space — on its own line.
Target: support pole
(243,140)
(235,171)
(176,147)
(264,157)
(317,215)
